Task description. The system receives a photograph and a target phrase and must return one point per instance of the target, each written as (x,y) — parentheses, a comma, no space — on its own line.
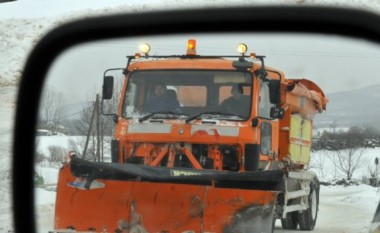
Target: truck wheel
(290,222)
(308,217)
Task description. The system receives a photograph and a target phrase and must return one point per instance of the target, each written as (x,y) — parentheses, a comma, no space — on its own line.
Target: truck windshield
(188,93)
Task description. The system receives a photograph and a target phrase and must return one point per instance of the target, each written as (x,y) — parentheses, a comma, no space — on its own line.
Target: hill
(358,107)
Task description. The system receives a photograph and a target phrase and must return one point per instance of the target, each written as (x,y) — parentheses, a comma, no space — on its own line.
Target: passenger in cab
(238,103)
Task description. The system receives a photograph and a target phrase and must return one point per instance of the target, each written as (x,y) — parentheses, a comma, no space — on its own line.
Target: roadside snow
(44,142)
(7,105)
(322,163)
(60,8)
(342,209)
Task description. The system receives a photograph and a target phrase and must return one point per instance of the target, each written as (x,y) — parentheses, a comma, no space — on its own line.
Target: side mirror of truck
(107,87)
(275,91)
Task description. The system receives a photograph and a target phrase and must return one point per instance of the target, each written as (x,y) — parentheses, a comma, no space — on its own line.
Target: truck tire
(308,217)
(290,222)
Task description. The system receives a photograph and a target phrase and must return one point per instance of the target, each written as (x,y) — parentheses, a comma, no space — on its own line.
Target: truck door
(267,125)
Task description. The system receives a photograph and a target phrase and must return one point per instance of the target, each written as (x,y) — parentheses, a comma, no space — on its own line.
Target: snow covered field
(342,209)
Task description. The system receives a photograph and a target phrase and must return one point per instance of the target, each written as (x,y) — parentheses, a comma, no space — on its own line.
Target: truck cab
(202,132)
(223,139)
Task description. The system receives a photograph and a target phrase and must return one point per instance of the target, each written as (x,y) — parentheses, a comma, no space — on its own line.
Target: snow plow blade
(105,197)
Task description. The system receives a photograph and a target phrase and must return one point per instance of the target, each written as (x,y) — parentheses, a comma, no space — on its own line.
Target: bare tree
(318,163)
(355,137)
(87,126)
(344,149)
(57,154)
(75,146)
(347,161)
(51,112)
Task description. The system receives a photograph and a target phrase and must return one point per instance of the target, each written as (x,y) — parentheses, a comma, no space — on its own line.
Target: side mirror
(275,91)
(107,87)
(265,19)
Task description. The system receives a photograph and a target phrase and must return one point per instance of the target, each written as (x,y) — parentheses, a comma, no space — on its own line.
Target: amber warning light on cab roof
(191,47)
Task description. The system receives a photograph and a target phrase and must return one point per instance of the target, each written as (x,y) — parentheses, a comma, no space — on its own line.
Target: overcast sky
(334,63)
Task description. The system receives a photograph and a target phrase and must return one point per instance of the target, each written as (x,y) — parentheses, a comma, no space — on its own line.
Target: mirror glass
(345,69)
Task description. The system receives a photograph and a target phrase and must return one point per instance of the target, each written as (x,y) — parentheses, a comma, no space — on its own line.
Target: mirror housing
(107,87)
(313,19)
(274,91)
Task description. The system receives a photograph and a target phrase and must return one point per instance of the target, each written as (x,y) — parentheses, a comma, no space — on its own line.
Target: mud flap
(253,219)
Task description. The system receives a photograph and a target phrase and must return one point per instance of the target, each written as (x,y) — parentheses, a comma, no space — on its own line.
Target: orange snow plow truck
(202,144)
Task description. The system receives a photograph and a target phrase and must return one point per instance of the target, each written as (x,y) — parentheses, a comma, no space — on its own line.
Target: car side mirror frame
(290,19)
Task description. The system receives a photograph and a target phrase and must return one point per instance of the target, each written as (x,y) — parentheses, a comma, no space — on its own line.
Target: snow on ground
(342,209)
(7,105)
(322,163)
(23,22)
(60,8)
(44,142)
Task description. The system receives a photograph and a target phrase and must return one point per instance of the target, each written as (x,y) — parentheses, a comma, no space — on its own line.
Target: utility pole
(97,128)
(89,132)
(376,170)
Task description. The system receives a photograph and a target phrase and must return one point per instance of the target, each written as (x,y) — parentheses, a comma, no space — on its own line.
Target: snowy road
(343,210)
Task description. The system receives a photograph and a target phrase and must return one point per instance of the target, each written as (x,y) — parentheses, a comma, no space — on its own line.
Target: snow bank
(49,174)
(44,142)
(7,104)
(44,201)
(60,8)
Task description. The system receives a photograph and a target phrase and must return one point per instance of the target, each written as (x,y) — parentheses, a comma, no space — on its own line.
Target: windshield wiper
(211,113)
(146,117)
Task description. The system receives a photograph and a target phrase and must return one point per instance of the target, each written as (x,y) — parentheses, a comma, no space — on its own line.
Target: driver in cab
(162,100)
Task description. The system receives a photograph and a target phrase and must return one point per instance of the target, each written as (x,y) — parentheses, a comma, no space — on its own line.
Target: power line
(162,48)
(68,116)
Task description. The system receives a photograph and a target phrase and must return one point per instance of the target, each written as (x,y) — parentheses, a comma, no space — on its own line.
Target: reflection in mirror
(183,153)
